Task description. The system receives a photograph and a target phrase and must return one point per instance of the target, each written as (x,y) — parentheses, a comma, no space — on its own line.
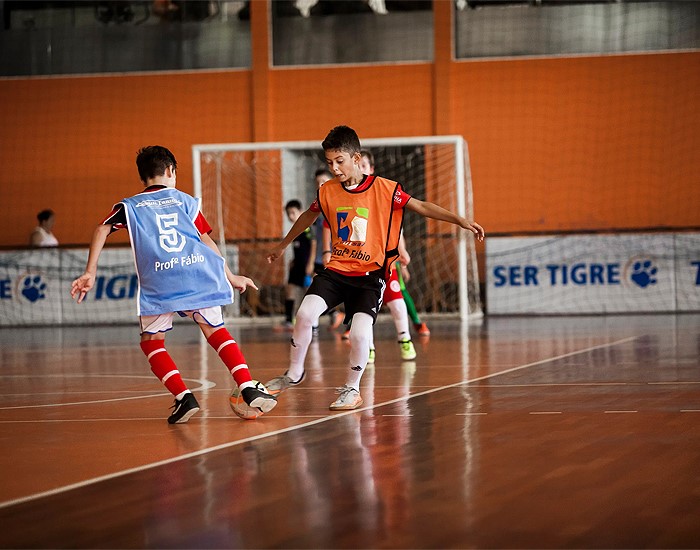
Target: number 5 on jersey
(170,239)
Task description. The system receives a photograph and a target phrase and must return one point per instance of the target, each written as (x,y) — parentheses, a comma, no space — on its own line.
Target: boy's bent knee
(306,316)
(361,329)
(310,310)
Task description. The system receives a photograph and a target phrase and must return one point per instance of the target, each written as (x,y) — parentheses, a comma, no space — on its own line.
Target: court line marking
(579,384)
(139,419)
(677,383)
(557,384)
(215,448)
(209,385)
(204,385)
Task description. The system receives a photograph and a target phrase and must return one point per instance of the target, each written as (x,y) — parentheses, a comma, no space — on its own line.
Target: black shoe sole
(265,404)
(185,417)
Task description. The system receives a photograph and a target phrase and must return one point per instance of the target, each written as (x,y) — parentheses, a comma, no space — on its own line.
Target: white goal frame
(463,182)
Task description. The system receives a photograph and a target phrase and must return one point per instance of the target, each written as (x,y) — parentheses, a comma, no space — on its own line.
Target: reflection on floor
(511,432)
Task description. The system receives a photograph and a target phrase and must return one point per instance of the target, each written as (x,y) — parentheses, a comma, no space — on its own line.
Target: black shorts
(361,294)
(297,274)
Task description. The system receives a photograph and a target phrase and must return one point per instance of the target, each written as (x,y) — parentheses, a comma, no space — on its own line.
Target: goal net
(244,187)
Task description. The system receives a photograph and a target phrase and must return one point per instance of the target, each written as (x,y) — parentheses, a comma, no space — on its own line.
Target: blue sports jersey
(176,270)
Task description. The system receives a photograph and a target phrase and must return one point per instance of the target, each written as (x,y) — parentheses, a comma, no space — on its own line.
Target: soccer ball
(240,407)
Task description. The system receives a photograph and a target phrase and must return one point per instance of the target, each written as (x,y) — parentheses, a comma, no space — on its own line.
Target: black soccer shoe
(259,399)
(184,409)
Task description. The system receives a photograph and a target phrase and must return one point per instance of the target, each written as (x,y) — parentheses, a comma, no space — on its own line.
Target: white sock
(309,311)
(400,314)
(360,335)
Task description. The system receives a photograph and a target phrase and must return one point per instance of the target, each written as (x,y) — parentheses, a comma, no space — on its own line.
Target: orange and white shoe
(280,383)
(348,399)
(422,329)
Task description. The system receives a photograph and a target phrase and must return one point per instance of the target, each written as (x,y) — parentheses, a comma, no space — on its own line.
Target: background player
(180,269)
(322,237)
(364,214)
(321,176)
(367,167)
(301,268)
(393,296)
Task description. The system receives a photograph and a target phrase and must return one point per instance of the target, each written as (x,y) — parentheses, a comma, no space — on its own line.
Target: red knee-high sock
(231,355)
(163,366)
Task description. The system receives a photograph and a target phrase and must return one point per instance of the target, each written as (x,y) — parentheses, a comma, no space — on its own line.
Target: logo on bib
(352,224)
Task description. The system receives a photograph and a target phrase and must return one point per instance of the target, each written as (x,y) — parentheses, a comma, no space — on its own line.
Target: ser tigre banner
(35,287)
(575,274)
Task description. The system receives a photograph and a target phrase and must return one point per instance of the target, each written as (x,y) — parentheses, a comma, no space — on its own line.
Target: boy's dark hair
(153,160)
(342,138)
(292,204)
(44,215)
(321,171)
(369,155)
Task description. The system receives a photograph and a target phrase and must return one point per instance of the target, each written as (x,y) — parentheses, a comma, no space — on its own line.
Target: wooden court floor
(529,432)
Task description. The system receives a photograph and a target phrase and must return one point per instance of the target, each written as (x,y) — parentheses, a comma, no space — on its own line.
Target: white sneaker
(280,383)
(408,352)
(348,399)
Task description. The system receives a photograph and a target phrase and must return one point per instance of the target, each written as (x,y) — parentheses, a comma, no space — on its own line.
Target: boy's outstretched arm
(431,210)
(239,282)
(327,245)
(82,285)
(305,220)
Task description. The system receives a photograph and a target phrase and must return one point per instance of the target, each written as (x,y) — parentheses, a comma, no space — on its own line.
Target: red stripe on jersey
(117,217)
(115,209)
(201,224)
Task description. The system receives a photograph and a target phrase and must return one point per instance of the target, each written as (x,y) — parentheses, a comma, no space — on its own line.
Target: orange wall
(377,101)
(556,144)
(70,143)
(583,143)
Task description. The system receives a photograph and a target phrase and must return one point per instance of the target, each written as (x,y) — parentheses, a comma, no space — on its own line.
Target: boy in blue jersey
(180,270)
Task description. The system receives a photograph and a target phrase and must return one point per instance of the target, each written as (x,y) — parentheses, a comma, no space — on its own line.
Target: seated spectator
(42,235)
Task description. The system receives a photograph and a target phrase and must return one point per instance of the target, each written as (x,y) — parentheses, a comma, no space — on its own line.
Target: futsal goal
(244,187)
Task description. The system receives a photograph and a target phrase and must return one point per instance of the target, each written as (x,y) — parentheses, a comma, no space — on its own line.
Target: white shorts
(153,324)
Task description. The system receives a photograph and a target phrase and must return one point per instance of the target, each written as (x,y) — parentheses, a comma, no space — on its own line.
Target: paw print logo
(33,288)
(643,273)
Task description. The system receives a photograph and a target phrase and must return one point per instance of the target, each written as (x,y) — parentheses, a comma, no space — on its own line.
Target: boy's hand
(240,282)
(82,285)
(275,254)
(474,228)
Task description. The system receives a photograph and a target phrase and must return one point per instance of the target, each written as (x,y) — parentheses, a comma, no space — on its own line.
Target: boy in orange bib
(365,215)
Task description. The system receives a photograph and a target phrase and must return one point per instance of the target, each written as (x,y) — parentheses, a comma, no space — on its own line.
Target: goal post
(244,187)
